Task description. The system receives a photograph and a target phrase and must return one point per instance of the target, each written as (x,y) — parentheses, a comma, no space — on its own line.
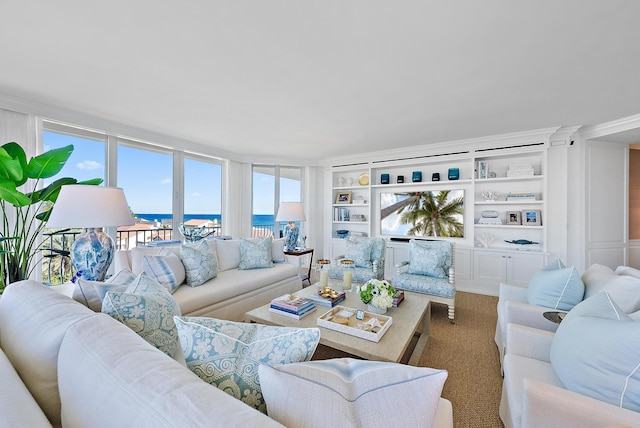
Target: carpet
(467,351)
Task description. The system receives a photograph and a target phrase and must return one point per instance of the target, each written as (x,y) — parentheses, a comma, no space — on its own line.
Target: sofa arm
(529,342)
(402,267)
(378,265)
(513,293)
(122,260)
(526,314)
(546,405)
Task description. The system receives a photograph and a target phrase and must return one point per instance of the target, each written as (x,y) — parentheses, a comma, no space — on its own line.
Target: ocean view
(258,219)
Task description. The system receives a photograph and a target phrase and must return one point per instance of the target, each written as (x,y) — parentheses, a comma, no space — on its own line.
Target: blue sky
(146,178)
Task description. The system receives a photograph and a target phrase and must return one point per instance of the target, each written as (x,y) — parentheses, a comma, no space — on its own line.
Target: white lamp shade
(80,205)
(290,211)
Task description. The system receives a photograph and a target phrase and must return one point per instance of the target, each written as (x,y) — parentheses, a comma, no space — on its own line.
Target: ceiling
(314,79)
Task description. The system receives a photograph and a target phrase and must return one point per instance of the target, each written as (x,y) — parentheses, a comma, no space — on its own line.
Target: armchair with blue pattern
(429,270)
(368,255)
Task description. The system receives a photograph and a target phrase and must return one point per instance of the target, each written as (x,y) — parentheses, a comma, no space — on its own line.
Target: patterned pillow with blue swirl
(255,255)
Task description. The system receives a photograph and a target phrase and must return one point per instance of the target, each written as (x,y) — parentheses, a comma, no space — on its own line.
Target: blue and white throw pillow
(200,262)
(559,289)
(147,308)
(361,393)
(91,293)
(359,250)
(255,255)
(166,268)
(227,354)
(596,352)
(429,258)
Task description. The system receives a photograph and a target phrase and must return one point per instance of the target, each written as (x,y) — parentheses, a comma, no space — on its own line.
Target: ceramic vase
(376,310)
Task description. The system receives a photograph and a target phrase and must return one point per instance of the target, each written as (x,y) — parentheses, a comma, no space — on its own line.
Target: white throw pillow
(623,289)
(347,392)
(228,251)
(91,293)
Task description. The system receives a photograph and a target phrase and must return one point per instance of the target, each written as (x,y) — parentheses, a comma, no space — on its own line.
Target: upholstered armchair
(429,270)
(368,255)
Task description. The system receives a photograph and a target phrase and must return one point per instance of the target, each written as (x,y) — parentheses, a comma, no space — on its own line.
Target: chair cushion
(559,289)
(91,293)
(424,284)
(596,352)
(359,250)
(623,289)
(227,354)
(429,258)
(256,255)
(347,392)
(200,262)
(148,309)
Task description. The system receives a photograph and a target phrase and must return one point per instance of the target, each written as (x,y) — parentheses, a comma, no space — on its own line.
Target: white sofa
(62,364)
(534,396)
(513,306)
(233,291)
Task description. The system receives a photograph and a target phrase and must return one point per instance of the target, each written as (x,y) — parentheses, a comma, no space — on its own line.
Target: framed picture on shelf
(531,218)
(514,218)
(343,198)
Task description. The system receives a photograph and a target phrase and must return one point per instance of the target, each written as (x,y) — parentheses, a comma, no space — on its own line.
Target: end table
(299,253)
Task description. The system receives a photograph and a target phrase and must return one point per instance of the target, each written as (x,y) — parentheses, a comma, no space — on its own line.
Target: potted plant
(24,215)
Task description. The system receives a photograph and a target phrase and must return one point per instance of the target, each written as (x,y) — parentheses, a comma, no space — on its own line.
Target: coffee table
(409,319)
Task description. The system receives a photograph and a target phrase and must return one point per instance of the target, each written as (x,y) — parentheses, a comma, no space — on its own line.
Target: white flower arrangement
(377,292)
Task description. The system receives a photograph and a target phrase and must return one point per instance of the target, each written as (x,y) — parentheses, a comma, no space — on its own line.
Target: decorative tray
(371,326)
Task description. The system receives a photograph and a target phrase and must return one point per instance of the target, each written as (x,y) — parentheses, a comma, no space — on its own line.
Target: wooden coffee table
(409,319)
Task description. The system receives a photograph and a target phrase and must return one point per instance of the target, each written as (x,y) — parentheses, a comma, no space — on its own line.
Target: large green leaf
(9,193)
(49,163)
(51,192)
(13,163)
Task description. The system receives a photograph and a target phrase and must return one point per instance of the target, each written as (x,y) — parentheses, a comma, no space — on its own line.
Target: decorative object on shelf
(358,217)
(92,208)
(454,173)
(400,179)
(491,174)
(378,295)
(323,266)
(341,181)
(384,178)
(416,177)
(485,239)
(341,214)
(343,198)
(363,180)
(342,233)
(302,243)
(359,201)
(435,176)
(531,218)
(520,197)
(290,212)
(520,170)
(348,268)
(349,181)
(521,242)
(489,214)
(482,169)
(194,233)
(513,218)
(490,195)
(489,217)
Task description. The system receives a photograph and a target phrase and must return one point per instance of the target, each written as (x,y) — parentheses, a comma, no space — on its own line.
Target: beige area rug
(467,351)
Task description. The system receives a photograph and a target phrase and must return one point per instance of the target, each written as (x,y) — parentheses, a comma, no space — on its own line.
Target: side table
(299,253)
(554,316)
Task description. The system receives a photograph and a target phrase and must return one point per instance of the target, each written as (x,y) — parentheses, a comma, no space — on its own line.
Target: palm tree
(432,214)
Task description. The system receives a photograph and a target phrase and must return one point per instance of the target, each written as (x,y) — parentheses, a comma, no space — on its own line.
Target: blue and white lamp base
(291,233)
(92,254)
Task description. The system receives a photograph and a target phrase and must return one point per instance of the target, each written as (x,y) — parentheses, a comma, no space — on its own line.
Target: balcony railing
(56,268)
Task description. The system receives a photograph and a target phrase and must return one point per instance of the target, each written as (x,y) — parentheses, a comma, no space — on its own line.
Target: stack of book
(398,298)
(292,306)
(328,301)
(515,197)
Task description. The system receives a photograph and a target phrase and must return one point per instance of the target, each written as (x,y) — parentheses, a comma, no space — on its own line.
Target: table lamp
(92,208)
(291,212)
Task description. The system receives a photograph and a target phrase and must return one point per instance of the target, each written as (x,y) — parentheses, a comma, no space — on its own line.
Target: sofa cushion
(200,262)
(596,352)
(228,251)
(559,289)
(166,268)
(255,255)
(110,377)
(227,354)
(33,321)
(623,289)
(91,293)
(359,250)
(361,393)
(148,309)
(428,258)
